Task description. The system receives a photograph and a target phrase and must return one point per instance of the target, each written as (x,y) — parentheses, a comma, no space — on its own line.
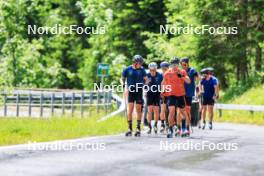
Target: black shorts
(208,101)
(136,96)
(188,101)
(178,101)
(153,99)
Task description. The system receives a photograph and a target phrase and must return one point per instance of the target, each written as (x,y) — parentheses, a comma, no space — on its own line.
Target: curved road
(147,155)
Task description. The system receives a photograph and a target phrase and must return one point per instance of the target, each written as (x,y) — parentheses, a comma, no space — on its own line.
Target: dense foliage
(131,27)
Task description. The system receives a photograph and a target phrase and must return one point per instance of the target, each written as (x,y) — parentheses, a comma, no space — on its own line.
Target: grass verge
(253,96)
(23,130)
(243,117)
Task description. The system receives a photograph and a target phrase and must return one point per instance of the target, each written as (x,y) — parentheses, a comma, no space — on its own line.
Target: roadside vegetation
(252,96)
(24,130)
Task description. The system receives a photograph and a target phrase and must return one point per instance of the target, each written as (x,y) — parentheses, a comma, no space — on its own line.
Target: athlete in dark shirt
(134,76)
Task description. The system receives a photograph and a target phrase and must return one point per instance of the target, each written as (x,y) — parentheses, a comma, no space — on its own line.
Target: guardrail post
(29,104)
(220,112)
(5,104)
(63,103)
(82,98)
(41,104)
(72,103)
(105,101)
(108,101)
(17,104)
(98,101)
(91,97)
(52,104)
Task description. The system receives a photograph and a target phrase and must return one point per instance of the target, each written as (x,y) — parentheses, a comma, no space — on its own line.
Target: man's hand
(179,75)
(215,97)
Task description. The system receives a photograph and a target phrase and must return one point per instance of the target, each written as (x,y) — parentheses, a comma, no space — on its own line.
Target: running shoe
(149,131)
(178,132)
(137,133)
(187,133)
(203,127)
(162,129)
(128,133)
(210,125)
(169,134)
(155,129)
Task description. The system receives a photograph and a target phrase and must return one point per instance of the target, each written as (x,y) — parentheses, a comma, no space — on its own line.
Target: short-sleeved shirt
(134,76)
(176,84)
(190,88)
(155,81)
(209,86)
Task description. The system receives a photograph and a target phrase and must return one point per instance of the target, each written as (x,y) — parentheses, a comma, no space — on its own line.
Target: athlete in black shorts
(135,77)
(210,92)
(153,95)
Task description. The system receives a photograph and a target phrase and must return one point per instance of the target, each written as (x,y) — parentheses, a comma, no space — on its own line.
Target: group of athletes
(169,95)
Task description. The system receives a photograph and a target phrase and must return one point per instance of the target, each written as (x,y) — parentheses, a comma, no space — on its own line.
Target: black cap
(185,59)
(137,59)
(175,60)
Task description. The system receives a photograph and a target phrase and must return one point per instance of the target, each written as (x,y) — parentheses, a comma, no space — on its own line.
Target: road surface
(147,155)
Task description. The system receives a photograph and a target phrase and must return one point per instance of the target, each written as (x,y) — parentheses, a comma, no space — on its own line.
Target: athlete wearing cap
(210,92)
(175,78)
(153,95)
(164,67)
(189,88)
(135,77)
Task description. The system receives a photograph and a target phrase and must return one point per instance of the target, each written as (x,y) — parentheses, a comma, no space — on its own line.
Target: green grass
(23,130)
(253,96)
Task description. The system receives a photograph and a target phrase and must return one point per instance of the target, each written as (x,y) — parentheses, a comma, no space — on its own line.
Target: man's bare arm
(187,79)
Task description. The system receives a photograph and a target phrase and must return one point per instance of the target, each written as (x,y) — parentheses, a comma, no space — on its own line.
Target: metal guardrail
(250,108)
(56,99)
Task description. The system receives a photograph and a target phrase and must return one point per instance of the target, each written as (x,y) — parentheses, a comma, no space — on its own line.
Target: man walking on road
(135,77)
(175,78)
(209,89)
(189,88)
(153,95)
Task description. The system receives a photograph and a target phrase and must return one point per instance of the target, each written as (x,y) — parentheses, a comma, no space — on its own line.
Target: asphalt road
(234,150)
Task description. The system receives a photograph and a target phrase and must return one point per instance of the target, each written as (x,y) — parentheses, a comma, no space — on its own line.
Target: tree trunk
(258,58)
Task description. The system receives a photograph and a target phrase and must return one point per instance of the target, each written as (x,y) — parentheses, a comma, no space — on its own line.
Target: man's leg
(139,113)
(211,114)
(129,118)
(179,122)
(171,116)
(163,114)
(156,118)
(204,109)
(149,117)
(171,120)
